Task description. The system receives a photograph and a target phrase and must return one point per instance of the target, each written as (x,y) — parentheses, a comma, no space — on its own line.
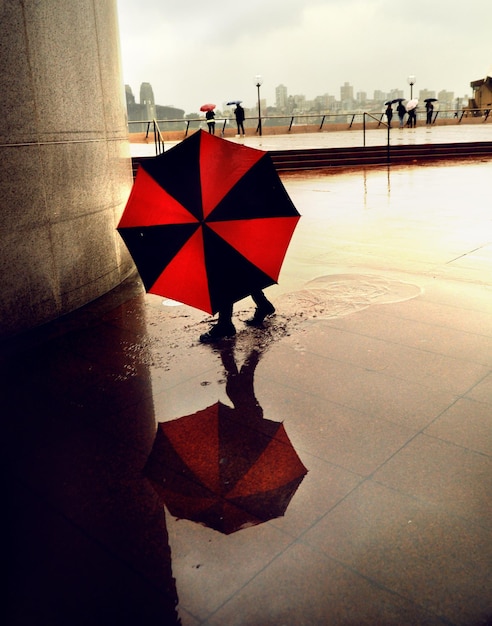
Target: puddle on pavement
(332,296)
(173,331)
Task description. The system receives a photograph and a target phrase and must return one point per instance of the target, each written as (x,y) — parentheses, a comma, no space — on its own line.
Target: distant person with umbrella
(429,107)
(400,109)
(412,118)
(239,113)
(210,115)
(411,107)
(389,113)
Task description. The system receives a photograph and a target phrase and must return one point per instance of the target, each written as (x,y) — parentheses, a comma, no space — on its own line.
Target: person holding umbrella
(412,117)
(210,115)
(239,113)
(429,107)
(389,113)
(400,109)
(208,223)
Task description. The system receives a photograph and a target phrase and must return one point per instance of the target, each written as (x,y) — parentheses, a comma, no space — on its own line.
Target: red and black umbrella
(207,107)
(215,468)
(208,222)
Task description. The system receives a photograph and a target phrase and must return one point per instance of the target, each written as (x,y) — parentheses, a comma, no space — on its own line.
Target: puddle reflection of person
(240,391)
(225,329)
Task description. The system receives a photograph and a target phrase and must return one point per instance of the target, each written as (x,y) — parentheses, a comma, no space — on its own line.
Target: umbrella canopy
(397,100)
(208,222)
(234,102)
(411,104)
(213,469)
(430,100)
(207,107)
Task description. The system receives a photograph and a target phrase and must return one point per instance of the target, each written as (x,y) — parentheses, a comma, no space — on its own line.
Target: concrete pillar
(65,171)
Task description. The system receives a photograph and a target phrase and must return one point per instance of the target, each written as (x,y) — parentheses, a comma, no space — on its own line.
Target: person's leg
(223,329)
(264,308)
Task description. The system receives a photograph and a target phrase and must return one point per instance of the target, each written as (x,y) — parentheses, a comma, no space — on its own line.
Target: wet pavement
(454,132)
(375,376)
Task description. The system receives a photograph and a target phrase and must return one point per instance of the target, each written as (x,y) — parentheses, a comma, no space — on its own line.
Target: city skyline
(192,54)
(285,101)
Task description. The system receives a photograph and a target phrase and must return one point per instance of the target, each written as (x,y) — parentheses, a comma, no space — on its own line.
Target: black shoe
(260,314)
(218,332)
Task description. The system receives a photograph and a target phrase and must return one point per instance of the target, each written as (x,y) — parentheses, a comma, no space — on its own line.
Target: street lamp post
(411,82)
(259,81)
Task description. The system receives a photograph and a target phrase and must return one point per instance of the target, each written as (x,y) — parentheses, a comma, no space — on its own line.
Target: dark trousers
(259,298)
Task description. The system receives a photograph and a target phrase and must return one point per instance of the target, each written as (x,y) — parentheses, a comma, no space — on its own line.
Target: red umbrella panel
(213,469)
(208,222)
(207,107)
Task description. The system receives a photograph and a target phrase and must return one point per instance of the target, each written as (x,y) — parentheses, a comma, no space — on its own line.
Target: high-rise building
(361,98)
(426,93)
(347,96)
(281,97)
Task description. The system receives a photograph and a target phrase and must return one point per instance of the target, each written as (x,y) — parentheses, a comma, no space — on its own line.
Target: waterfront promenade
(464,132)
(379,365)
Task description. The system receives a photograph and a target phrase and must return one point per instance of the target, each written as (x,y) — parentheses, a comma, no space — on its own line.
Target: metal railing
(379,121)
(158,138)
(320,120)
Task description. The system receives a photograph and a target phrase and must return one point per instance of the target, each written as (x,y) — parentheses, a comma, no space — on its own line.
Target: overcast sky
(196,52)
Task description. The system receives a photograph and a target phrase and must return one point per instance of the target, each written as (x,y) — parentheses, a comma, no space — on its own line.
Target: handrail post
(187,127)
(352,120)
(223,127)
(322,122)
(364,128)
(388,156)
(291,122)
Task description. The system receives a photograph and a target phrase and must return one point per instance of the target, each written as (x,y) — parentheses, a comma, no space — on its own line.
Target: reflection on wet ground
(375,375)
(226,467)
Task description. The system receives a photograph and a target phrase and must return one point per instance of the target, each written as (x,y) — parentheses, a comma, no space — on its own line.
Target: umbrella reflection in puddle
(226,467)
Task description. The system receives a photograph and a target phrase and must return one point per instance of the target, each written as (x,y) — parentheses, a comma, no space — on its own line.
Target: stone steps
(328,158)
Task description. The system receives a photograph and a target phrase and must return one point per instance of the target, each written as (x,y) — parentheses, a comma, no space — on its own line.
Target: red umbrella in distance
(208,222)
(213,469)
(207,107)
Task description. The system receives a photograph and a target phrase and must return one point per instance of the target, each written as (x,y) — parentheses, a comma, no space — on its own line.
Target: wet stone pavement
(361,414)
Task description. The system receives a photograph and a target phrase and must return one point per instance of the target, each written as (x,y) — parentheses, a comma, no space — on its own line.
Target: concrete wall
(65,170)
